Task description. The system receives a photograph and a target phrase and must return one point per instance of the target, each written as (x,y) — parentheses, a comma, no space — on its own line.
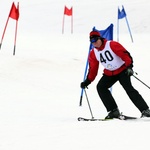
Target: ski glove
(85,83)
(129,71)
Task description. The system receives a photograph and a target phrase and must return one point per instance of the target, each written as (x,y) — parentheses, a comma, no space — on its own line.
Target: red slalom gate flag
(68,11)
(14,12)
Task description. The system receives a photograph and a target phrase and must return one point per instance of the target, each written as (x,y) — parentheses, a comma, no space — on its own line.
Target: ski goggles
(94,39)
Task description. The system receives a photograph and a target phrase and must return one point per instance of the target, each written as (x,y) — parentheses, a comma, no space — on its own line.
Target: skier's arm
(93,66)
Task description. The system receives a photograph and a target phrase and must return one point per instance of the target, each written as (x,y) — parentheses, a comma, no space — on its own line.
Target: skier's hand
(85,83)
(129,71)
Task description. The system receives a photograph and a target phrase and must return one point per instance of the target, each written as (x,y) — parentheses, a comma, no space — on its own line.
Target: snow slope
(40,85)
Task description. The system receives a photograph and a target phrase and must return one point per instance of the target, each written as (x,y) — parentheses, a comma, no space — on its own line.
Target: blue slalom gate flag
(108,34)
(122,13)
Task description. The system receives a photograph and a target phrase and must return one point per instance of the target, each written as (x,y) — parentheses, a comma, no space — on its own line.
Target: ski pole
(88,104)
(141,81)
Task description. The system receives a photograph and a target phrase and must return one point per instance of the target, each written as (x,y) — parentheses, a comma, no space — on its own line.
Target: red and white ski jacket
(112,55)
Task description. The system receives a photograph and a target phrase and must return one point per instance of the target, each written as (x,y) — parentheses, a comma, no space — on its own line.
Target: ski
(92,119)
(122,117)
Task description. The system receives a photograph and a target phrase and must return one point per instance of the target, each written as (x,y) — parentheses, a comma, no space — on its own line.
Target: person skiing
(118,64)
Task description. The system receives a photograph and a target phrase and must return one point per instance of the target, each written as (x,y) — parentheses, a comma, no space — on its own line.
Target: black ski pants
(109,102)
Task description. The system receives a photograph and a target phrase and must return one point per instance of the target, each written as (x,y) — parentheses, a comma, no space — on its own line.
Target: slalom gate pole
(88,104)
(141,81)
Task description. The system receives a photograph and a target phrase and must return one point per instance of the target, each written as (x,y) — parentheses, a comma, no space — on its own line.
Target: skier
(118,65)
